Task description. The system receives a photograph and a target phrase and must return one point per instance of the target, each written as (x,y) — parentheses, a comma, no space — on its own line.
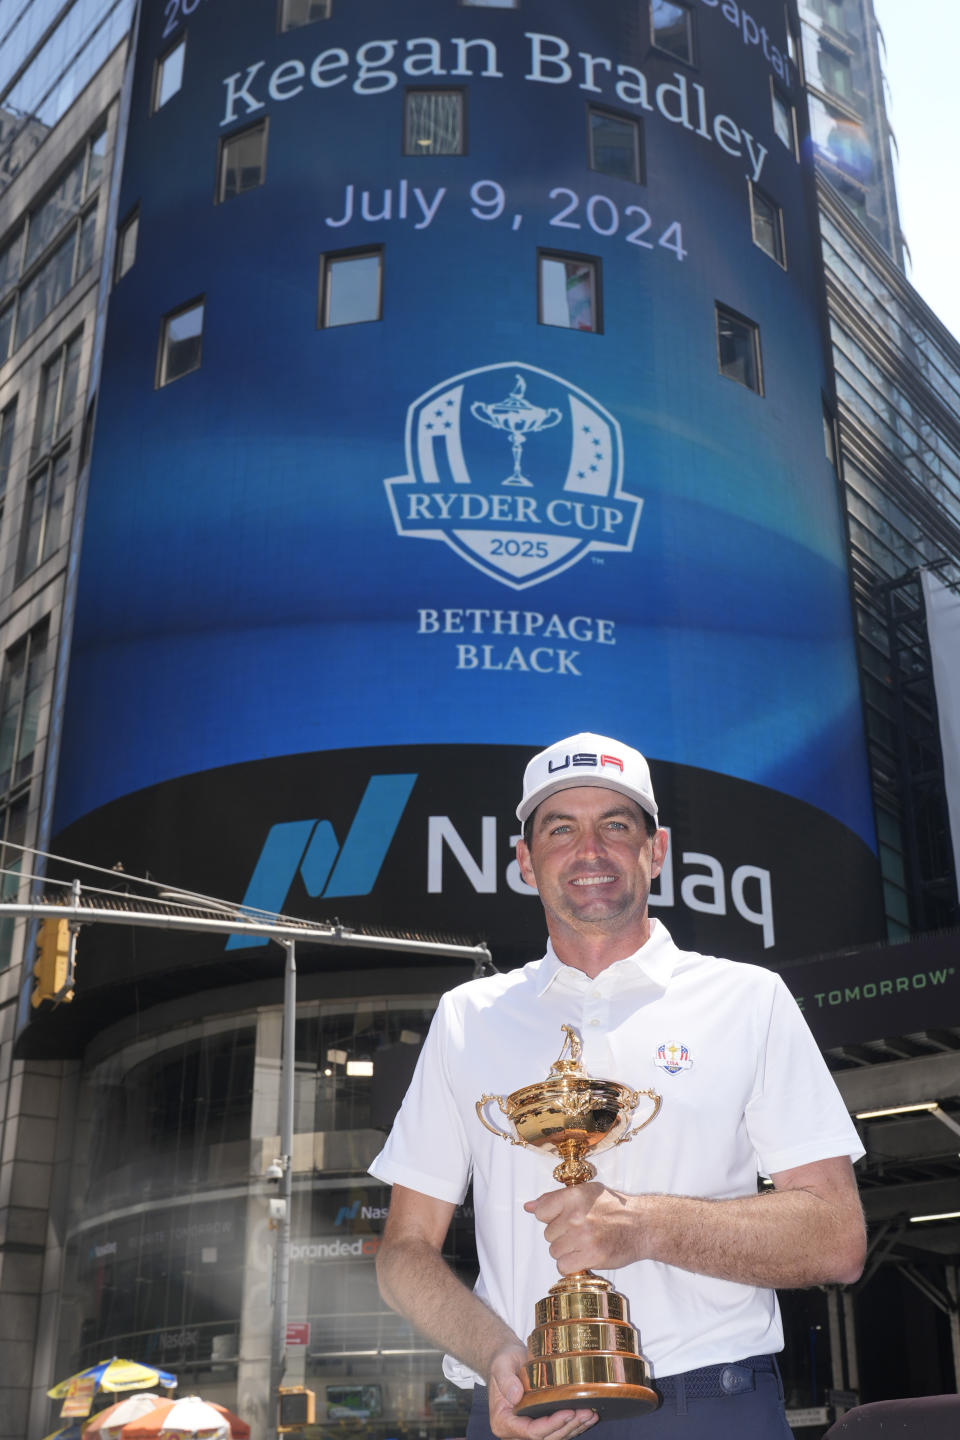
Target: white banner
(943,629)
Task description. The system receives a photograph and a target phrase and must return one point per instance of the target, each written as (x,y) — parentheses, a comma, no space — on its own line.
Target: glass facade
(840,59)
(898,393)
(50,50)
(170,1252)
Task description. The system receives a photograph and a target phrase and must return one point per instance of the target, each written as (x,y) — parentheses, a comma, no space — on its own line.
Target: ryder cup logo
(517,471)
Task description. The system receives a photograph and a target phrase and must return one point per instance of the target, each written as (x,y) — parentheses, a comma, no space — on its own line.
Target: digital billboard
(465,389)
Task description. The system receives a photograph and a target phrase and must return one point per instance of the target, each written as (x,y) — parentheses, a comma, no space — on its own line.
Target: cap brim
(581,782)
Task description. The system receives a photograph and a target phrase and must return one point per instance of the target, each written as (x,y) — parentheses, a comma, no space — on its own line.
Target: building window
(614,144)
(671,29)
(434,122)
(168,78)
(6,329)
(738,349)
(127,245)
(766,219)
(829,435)
(11,263)
(13,828)
(23,678)
(834,73)
(569,291)
(181,343)
(59,387)
(784,120)
(831,12)
(54,249)
(294,13)
(351,288)
(242,161)
(43,512)
(8,425)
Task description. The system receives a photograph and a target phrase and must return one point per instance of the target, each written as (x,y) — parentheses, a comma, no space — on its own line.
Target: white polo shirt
(745,1090)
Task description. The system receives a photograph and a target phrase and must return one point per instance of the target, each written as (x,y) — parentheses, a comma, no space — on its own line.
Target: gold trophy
(583,1349)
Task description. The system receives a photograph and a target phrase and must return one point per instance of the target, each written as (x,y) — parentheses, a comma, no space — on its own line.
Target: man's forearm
(786,1239)
(793,1236)
(416,1281)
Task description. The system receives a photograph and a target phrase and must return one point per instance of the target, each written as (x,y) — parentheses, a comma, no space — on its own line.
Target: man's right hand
(506,1391)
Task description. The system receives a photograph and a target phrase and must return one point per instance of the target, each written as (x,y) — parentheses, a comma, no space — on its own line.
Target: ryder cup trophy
(517,418)
(583,1349)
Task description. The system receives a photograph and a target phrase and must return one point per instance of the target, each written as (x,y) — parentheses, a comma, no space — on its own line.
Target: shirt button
(593,1022)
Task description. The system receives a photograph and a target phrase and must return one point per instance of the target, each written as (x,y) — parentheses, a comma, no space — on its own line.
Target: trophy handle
(482,1103)
(657,1102)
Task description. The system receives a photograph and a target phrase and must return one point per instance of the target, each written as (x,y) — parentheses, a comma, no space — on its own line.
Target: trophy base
(610,1401)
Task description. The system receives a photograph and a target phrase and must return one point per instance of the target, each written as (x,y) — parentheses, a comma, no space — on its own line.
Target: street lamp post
(281,1279)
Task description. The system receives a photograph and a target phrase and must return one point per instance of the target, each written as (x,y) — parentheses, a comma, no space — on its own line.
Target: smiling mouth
(595,880)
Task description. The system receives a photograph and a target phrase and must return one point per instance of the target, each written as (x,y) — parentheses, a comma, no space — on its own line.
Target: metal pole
(850,1331)
(282,1277)
(836,1343)
(953,1290)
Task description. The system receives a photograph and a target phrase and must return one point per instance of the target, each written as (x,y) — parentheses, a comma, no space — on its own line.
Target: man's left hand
(589,1227)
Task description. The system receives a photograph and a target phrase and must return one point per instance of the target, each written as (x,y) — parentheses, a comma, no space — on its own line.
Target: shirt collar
(652,964)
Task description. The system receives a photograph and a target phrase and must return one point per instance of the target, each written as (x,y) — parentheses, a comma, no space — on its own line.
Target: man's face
(592,861)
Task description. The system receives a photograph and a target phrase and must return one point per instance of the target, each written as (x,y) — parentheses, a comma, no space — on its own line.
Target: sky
(923,104)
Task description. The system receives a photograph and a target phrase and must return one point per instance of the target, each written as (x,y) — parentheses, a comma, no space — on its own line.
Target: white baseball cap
(587,760)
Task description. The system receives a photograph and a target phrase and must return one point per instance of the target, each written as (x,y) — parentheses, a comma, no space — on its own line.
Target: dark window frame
(223,144)
(722,311)
(777,93)
(461,92)
(302,25)
(130,222)
(328,262)
(639,154)
(57,367)
(53,466)
(156,105)
(779,254)
(161,379)
(548,252)
(692,37)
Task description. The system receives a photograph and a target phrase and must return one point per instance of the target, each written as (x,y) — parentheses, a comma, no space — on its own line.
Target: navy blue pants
(749,1406)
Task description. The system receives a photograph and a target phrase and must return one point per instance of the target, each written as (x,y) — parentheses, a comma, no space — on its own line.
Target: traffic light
(298,1407)
(53,967)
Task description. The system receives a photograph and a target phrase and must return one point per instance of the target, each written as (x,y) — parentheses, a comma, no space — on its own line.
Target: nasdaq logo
(328,869)
(516,470)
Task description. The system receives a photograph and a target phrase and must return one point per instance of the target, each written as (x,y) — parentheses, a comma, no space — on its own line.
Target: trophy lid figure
(674,1218)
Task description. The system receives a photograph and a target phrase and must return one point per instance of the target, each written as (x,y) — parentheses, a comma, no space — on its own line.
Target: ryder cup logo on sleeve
(517,471)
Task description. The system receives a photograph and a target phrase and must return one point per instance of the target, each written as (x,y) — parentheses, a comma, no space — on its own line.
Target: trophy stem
(518,477)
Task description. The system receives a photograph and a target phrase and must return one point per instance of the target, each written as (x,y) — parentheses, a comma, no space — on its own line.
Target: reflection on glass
(614,145)
(433,122)
(783,121)
(169,75)
(182,342)
(568,293)
(243,161)
(767,224)
(294,13)
(127,245)
(352,285)
(169,1253)
(738,349)
(672,29)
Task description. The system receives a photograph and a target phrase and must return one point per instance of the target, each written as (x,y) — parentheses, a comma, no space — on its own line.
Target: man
(674,1217)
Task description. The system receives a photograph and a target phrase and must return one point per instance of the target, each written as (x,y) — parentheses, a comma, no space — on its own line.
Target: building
(314,644)
(60,78)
